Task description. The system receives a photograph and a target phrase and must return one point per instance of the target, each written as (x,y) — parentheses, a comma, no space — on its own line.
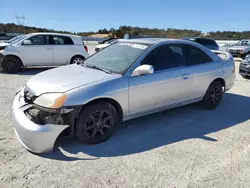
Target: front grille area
(41,117)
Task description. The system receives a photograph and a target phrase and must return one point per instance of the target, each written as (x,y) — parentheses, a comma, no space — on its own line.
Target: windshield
(243,43)
(118,57)
(13,39)
(16,39)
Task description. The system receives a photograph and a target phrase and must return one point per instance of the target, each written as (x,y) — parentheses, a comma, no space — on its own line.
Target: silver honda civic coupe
(128,79)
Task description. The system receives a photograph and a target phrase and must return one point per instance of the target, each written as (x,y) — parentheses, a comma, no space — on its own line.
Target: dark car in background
(209,43)
(244,69)
(107,40)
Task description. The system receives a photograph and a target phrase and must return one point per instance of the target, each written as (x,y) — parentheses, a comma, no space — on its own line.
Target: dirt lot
(184,147)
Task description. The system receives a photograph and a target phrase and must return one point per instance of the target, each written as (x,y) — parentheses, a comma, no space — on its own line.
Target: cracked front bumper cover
(34,137)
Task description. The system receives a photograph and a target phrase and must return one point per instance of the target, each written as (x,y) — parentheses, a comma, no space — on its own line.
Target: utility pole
(20,21)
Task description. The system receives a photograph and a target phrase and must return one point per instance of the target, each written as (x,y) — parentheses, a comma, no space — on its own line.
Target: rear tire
(96,123)
(213,96)
(11,64)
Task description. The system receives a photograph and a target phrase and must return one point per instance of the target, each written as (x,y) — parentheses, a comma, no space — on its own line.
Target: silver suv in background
(241,49)
(42,50)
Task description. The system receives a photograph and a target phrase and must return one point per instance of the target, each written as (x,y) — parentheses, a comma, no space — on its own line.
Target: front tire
(77,60)
(11,64)
(213,96)
(96,123)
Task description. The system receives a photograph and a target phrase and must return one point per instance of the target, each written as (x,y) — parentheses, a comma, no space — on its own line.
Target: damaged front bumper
(244,69)
(38,138)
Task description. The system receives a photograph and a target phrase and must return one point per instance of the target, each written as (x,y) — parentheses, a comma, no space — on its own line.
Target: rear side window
(62,40)
(195,56)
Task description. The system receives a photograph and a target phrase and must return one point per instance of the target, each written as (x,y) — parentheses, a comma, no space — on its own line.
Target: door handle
(186,76)
(49,48)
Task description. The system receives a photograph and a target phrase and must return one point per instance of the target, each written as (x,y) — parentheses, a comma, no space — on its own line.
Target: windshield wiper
(99,68)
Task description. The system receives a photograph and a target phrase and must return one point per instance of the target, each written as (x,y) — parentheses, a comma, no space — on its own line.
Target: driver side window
(166,57)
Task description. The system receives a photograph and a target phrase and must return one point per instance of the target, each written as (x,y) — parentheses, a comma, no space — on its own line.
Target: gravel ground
(183,148)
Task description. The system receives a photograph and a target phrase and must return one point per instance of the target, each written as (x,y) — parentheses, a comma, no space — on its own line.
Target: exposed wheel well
(222,81)
(15,57)
(113,102)
(81,56)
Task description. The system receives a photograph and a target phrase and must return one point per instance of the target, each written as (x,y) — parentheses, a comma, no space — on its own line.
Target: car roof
(58,34)
(157,40)
(186,38)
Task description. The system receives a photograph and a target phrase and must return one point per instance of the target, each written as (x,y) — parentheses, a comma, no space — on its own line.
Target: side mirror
(142,70)
(27,42)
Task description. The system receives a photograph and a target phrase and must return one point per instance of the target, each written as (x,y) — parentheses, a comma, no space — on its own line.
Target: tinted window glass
(196,56)
(166,57)
(39,40)
(62,40)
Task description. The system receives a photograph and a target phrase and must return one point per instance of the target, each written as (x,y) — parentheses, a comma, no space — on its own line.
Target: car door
(37,51)
(203,69)
(169,85)
(63,49)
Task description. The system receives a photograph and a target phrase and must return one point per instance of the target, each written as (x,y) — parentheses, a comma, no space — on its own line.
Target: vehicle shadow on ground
(161,129)
(27,72)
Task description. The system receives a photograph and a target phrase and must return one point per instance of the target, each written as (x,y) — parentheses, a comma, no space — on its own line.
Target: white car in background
(105,44)
(42,50)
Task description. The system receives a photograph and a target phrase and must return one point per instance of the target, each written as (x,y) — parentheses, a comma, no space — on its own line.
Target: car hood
(65,78)
(238,47)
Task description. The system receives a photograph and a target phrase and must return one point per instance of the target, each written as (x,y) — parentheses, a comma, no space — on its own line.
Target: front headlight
(51,100)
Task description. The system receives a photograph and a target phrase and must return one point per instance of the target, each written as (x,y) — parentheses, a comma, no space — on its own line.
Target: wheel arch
(221,80)
(77,55)
(109,100)
(13,55)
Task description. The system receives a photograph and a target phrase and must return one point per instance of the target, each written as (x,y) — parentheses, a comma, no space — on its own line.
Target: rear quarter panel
(204,75)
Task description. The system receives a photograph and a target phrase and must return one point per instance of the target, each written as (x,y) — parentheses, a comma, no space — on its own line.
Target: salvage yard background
(184,147)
